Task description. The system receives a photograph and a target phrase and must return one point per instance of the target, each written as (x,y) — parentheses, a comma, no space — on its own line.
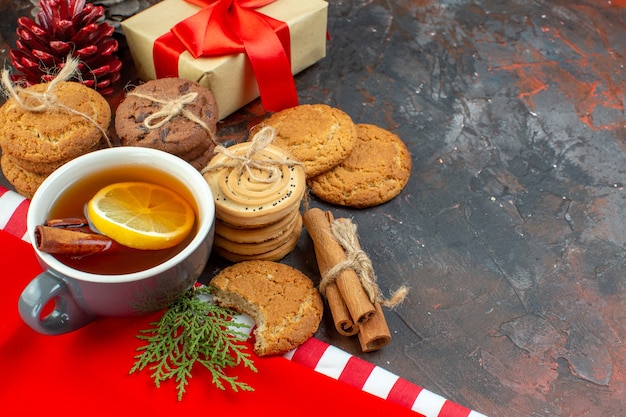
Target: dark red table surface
(511,232)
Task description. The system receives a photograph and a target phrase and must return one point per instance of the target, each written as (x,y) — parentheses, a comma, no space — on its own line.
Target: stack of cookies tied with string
(173,115)
(46,125)
(258,189)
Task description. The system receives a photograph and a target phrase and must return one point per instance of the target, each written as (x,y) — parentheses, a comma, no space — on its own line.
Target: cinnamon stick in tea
(330,253)
(69,223)
(71,242)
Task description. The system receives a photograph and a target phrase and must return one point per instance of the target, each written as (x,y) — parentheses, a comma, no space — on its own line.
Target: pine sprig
(191,331)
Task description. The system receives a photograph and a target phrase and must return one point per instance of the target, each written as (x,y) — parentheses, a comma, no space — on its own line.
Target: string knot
(249,162)
(172,108)
(39,102)
(345,232)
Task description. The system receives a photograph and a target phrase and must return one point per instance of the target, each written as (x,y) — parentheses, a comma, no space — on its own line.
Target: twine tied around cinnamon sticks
(346,272)
(47,100)
(248,162)
(171,108)
(345,232)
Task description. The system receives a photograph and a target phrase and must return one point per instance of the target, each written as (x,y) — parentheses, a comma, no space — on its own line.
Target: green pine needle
(194,331)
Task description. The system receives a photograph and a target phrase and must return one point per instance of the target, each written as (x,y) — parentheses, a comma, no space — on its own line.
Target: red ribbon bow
(224,27)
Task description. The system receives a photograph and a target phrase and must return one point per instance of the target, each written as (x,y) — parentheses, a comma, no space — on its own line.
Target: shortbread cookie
(25,182)
(180,135)
(284,303)
(257,235)
(317,135)
(273,255)
(376,171)
(259,249)
(255,197)
(56,134)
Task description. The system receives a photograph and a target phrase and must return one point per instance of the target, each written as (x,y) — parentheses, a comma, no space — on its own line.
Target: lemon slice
(141,215)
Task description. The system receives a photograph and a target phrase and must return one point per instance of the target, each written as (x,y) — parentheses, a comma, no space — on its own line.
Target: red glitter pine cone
(67,28)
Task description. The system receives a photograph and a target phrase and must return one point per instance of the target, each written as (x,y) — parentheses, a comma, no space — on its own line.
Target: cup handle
(66,316)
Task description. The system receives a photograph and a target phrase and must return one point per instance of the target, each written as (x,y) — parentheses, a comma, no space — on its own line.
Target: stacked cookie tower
(170,114)
(257,190)
(46,125)
(348,164)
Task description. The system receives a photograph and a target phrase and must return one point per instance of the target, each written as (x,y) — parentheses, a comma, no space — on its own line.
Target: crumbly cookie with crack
(46,168)
(25,182)
(375,172)
(57,134)
(284,303)
(317,135)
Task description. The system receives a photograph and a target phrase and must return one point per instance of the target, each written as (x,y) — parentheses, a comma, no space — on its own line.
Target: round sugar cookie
(252,198)
(260,248)
(317,135)
(275,254)
(44,167)
(375,172)
(284,303)
(257,235)
(25,182)
(58,134)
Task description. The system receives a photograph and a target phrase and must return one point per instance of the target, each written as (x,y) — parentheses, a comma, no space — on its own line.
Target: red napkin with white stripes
(86,371)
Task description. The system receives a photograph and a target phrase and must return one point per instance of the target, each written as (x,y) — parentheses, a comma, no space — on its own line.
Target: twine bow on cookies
(345,232)
(170,109)
(250,161)
(47,100)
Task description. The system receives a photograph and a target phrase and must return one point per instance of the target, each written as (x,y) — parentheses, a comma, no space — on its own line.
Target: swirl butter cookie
(273,255)
(256,235)
(272,249)
(260,193)
(284,303)
(317,135)
(375,172)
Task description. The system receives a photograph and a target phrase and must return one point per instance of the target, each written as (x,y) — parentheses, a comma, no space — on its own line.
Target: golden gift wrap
(229,77)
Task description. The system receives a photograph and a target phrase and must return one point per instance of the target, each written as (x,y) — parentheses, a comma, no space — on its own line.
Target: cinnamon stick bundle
(353,310)
(330,253)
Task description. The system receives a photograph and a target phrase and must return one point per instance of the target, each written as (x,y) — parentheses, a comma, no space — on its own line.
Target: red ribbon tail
(270,62)
(165,52)
(274,78)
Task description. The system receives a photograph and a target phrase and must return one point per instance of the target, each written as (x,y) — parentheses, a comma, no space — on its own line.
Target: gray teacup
(80,297)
